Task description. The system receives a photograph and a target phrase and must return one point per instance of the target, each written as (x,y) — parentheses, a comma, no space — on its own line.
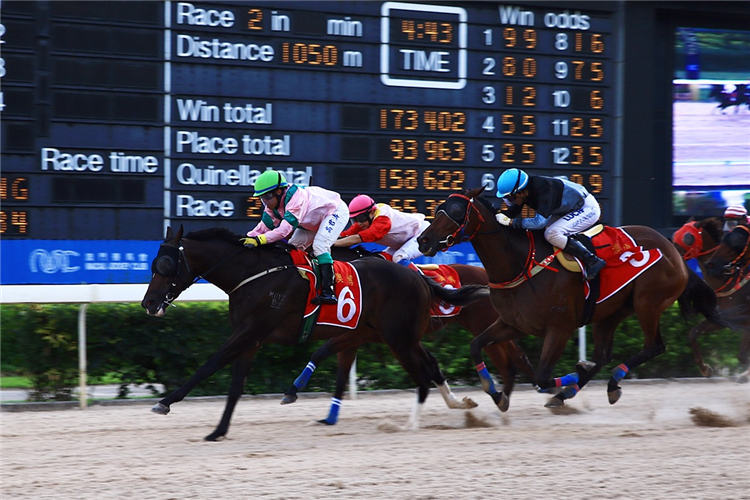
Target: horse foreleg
(704,326)
(496,332)
(226,354)
(649,351)
(508,357)
(240,369)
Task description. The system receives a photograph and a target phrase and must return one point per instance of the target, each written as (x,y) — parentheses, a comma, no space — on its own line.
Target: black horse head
(169,274)
(732,255)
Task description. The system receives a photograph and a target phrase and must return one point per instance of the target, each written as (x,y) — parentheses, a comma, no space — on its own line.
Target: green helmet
(268,181)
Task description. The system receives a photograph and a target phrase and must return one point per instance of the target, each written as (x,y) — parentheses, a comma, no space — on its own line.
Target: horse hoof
(585,365)
(501,401)
(325,422)
(614,396)
(707,371)
(214,436)
(743,379)
(555,403)
(160,409)
(504,403)
(469,404)
(288,399)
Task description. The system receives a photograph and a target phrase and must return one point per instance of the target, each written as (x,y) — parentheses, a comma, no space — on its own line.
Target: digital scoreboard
(121,117)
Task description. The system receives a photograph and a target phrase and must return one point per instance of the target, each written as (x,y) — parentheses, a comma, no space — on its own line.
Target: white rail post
(582,343)
(353,380)
(82,391)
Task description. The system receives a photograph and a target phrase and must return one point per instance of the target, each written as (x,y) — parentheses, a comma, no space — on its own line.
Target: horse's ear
(179,233)
(169,233)
(473,193)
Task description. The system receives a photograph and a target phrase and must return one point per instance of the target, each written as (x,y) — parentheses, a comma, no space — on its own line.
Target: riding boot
(327,296)
(593,263)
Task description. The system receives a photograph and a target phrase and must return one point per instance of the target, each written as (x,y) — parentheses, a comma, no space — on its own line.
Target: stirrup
(593,270)
(325,299)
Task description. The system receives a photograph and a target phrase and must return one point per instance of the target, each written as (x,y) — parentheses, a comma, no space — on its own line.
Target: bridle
(461,234)
(693,250)
(737,276)
(530,268)
(737,262)
(169,263)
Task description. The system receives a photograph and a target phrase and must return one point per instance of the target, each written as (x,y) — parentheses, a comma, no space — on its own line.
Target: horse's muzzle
(154,308)
(426,247)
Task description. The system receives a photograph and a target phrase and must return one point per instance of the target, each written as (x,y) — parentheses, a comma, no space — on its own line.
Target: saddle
(568,261)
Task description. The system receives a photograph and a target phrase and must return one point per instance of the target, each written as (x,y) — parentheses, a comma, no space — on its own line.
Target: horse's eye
(688,240)
(456,211)
(736,240)
(165,265)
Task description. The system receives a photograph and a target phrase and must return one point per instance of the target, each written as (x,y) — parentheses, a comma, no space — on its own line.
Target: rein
(738,280)
(530,268)
(744,253)
(169,298)
(259,275)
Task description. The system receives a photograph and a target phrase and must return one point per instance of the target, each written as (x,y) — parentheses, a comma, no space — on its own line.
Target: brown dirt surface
(645,446)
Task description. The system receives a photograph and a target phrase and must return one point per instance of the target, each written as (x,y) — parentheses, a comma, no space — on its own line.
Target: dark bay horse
(267,299)
(699,240)
(730,264)
(507,357)
(548,302)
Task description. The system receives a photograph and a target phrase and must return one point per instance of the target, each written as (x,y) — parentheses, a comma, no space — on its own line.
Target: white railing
(90,294)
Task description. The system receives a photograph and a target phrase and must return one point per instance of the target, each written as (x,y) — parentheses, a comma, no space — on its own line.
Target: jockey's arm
(284,230)
(537,222)
(348,241)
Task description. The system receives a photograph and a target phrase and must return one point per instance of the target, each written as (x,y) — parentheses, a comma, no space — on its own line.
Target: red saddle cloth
(626,260)
(347,312)
(447,277)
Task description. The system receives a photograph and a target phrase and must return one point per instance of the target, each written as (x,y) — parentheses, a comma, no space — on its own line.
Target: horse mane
(714,226)
(487,204)
(224,234)
(215,233)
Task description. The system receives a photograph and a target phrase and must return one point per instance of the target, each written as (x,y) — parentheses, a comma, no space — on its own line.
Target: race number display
(121,118)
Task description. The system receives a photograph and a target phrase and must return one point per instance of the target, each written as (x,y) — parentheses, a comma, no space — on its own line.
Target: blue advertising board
(67,262)
(73,262)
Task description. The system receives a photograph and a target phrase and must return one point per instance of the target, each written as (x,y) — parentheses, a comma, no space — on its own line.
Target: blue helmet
(511,181)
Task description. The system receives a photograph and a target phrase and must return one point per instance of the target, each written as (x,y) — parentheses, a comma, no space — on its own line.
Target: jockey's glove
(254,241)
(504,219)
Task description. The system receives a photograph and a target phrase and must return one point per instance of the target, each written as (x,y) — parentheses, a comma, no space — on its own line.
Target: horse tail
(458,297)
(699,298)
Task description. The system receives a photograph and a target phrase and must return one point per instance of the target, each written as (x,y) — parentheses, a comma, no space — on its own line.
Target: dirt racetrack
(647,446)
